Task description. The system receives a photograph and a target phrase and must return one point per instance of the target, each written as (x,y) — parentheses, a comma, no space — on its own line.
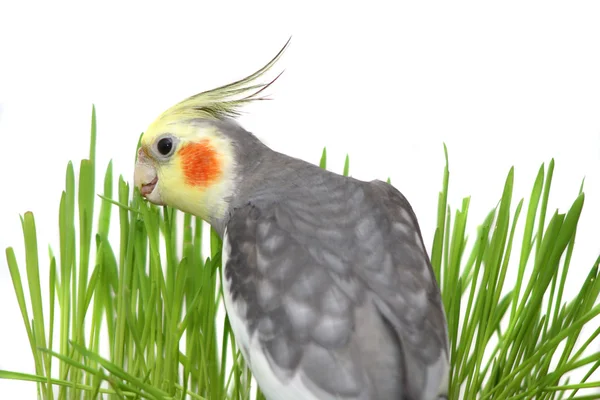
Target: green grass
(155,296)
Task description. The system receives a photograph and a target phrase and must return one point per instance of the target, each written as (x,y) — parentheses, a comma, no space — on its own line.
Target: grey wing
(335,297)
(303,320)
(407,292)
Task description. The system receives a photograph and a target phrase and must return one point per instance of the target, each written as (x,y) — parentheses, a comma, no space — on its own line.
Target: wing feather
(348,304)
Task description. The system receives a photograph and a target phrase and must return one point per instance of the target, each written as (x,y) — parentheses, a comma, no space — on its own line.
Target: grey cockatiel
(327,283)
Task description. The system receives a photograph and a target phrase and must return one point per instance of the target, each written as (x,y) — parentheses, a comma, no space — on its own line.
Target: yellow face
(186,165)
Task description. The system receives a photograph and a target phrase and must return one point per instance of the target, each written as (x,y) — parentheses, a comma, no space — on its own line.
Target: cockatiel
(327,284)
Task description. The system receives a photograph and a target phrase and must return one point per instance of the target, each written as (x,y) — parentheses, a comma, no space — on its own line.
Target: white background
(514,83)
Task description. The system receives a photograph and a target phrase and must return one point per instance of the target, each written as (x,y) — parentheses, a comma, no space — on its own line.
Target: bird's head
(185,161)
(187,164)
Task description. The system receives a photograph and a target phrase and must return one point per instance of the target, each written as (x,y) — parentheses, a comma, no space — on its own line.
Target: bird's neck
(268,178)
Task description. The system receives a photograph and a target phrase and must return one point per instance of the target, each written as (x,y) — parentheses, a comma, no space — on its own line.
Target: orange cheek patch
(200,162)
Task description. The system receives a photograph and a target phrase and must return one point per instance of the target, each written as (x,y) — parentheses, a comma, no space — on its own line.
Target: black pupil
(164,146)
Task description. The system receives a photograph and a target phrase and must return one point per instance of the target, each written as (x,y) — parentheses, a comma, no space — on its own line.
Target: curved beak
(145,178)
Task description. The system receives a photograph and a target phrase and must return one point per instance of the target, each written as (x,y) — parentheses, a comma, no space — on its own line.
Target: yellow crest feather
(224,101)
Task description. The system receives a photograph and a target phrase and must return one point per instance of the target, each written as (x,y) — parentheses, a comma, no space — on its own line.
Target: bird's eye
(164,146)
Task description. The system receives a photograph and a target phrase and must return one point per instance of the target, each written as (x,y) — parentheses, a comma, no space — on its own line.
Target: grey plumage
(332,277)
